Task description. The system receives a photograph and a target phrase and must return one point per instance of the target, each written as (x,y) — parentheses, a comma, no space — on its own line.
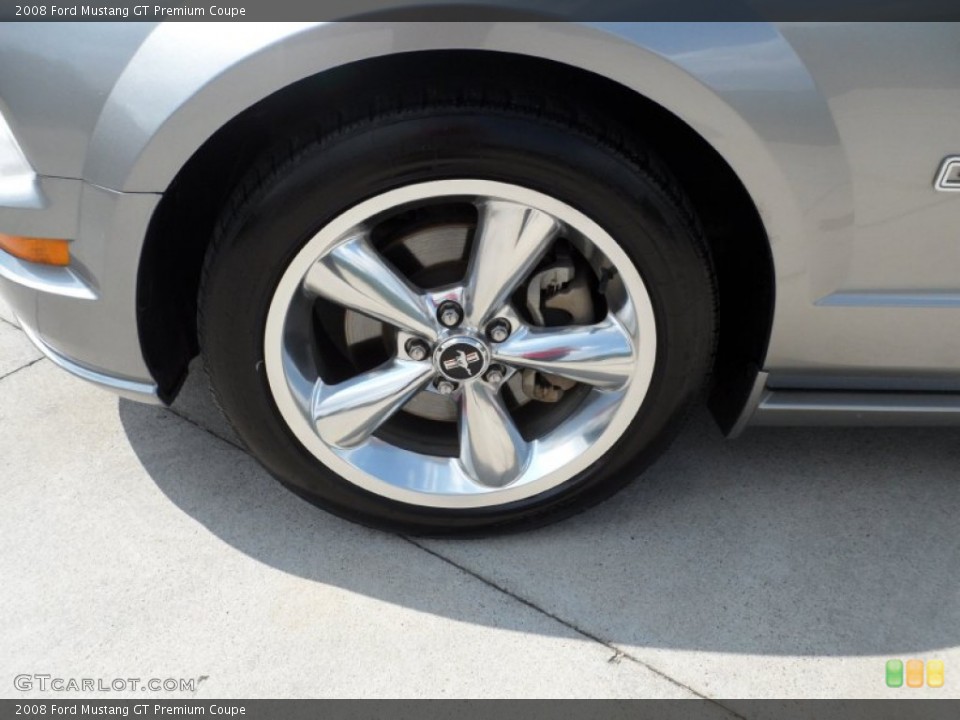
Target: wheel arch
(176,239)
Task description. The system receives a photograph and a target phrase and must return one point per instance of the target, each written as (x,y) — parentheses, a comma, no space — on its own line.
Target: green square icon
(894,673)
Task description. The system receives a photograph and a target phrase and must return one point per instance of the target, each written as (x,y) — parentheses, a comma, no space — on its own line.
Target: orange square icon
(935,673)
(915,673)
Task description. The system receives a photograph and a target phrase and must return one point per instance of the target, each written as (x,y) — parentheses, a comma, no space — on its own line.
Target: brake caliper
(557,294)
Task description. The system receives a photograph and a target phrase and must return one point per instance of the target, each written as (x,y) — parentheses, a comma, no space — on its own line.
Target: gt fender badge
(948,177)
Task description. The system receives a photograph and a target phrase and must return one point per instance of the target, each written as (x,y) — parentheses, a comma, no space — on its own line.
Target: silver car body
(836,131)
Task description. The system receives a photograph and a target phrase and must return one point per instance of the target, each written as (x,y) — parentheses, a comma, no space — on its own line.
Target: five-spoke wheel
(470,339)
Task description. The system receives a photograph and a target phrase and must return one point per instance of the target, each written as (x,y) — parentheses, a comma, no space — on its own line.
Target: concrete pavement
(143,542)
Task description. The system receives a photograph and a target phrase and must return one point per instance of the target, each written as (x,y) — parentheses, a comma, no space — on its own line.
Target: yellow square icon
(935,673)
(914,673)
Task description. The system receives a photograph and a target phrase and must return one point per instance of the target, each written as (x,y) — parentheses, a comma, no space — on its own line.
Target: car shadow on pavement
(793,541)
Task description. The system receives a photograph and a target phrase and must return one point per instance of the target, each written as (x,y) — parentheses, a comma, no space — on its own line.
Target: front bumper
(82,317)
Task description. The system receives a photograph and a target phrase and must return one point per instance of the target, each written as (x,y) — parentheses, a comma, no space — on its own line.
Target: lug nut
(449,314)
(416,349)
(498,330)
(495,375)
(445,387)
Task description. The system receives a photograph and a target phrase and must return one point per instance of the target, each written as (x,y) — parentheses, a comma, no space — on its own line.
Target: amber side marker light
(46,251)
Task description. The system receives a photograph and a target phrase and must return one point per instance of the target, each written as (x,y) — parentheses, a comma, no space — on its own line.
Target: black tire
(287,197)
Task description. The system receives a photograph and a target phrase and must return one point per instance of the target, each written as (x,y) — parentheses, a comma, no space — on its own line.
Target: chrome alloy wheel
(495,460)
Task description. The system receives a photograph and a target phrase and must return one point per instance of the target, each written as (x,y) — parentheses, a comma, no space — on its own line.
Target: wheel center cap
(461,358)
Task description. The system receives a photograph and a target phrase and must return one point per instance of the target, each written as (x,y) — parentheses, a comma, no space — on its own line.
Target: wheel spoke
(347,413)
(600,354)
(510,240)
(354,275)
(492,451)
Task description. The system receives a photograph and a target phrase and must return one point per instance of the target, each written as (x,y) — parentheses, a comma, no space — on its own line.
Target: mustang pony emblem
(462,360)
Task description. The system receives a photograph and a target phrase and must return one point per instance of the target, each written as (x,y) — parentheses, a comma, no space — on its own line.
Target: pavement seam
(13,325)
(22,367)
(207,430)
(618,651)
(172,410)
